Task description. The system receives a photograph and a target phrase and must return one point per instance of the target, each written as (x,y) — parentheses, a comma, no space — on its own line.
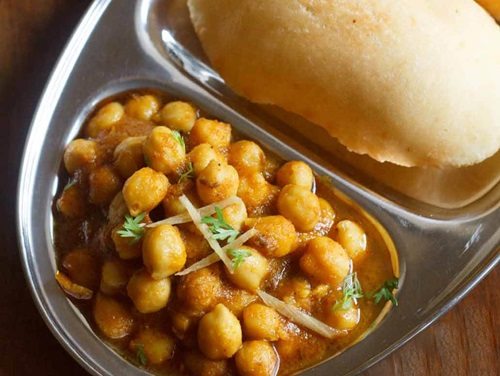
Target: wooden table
(32,33)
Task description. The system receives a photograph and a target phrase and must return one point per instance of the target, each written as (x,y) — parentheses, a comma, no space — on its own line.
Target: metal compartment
(445,224)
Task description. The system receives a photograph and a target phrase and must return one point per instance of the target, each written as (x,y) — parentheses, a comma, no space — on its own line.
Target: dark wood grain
(32,34)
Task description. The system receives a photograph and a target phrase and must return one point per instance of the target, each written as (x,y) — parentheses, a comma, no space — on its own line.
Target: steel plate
(444,223)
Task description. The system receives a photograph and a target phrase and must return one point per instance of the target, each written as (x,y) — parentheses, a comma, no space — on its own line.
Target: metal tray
(444,223)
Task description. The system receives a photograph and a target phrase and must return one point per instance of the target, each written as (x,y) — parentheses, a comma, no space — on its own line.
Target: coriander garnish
(238,256)
(188,174)
(351,290)
(220,229)
(385,292)
(132,227)
(178,137)
(140,355)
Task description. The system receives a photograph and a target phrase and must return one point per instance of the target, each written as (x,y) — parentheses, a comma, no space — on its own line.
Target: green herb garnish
(178,137)
(351,289)
(188,174)
(140,355)
(220,229)
(385,292)
(133,228)
(238,256)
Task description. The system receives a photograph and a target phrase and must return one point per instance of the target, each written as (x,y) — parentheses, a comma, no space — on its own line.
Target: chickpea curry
(192,251)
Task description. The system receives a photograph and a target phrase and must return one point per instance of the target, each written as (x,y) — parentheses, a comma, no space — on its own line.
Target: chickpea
(217,182)
(80,154)
(261,322)
(295,172)
(105,118)
(71,288)
(144,190)
(256,193)
(297,291)
(126,248)
(142,107)
(202,155)
(196,245)
(322,228)
(82,267)
(298,294)
(181,323)
(256,358)
(72,203)
(276,235)
(163,151)
(352,237)
(128,156)
(219,333)
(114,277)
(235,215)
(325,260)
(320,291)
(246,157)
(112,317)
(343,319)
(148,294)
(300,287)
(163,251)
(211,132)
(197,364)
(199,291)
(178,115)
(273,163)
(250,273)
(104,184)
(300,206)
(327,214)
(172,206)
(157,346)
(236,299)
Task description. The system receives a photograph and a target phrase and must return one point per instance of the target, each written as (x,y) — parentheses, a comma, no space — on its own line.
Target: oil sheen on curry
(193,251)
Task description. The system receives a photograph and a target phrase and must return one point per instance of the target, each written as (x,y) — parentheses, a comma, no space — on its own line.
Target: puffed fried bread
(413,82)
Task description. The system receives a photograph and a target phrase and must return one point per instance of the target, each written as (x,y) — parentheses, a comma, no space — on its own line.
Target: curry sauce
(126,234)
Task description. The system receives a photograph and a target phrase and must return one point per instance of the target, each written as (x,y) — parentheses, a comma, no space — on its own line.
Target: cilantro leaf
(220,229)
(188,174)
(238,256)
(141,355)
(178,137)
(133,228)
(351,290)
(386,291)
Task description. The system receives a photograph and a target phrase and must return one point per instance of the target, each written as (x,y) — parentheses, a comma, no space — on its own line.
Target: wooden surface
(32,34)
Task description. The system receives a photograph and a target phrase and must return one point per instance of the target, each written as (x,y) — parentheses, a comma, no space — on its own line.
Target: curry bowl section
(193,250)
